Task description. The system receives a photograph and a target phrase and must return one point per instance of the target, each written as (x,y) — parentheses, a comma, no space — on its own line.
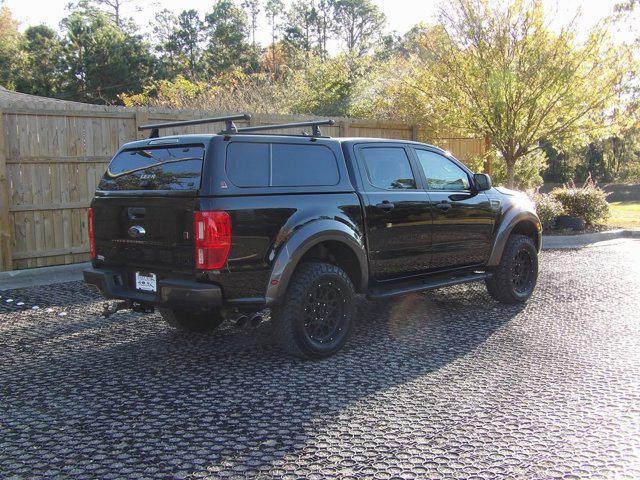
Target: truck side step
(425,284)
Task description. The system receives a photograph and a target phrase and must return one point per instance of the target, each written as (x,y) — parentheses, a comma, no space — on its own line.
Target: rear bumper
(171,292)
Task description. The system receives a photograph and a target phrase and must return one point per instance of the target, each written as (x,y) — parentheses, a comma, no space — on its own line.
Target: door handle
(444,206)
(136,213)
(386,205)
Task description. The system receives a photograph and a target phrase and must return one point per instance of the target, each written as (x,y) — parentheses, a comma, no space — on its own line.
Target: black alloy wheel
(522,271)
(325,313)
(314,319)
(514,279)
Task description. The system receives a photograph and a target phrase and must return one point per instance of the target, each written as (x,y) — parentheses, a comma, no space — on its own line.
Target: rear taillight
(212,233)
(92,240)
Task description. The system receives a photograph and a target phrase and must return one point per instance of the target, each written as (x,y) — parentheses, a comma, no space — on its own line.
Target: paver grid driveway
(445,384)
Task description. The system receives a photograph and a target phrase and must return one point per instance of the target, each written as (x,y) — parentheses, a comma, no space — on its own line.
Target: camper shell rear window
(155,168)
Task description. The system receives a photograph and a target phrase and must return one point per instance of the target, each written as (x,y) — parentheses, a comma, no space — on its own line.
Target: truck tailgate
(149,233)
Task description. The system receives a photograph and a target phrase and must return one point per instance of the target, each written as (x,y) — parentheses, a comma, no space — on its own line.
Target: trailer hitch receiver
(109,309)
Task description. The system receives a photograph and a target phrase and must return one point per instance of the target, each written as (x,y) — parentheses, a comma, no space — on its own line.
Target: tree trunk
(511,171)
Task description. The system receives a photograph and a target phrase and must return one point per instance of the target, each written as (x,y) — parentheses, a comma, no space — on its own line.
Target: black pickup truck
(229,226)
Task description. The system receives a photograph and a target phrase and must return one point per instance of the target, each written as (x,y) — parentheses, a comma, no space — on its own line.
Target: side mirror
(482,182)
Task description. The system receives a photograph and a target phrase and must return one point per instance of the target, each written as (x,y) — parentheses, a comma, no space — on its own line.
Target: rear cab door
(397,212)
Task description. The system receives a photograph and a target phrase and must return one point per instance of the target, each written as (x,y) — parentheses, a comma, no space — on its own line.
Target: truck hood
(508,191)
(514,197)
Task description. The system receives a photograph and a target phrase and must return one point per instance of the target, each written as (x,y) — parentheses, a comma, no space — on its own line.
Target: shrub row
(587,202)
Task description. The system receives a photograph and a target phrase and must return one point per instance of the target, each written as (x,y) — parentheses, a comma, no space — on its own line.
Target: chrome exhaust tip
(256,320)
(242,321)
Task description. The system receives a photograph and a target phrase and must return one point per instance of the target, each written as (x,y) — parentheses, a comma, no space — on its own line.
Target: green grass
(624,214)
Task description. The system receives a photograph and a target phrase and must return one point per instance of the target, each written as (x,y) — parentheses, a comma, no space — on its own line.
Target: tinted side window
(388,168)
(441,173)
(248,164)
(303,165)
(280,165)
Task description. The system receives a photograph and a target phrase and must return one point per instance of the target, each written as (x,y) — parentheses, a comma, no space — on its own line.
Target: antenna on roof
(230,127)
(314,124)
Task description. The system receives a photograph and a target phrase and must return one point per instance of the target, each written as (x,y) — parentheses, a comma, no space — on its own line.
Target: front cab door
(463,219)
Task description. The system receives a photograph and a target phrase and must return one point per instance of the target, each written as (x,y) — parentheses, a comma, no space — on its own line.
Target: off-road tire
(501,285)
(192,321)
(291,322)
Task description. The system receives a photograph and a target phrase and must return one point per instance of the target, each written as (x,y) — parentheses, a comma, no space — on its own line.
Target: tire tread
(499,285)
(284,315)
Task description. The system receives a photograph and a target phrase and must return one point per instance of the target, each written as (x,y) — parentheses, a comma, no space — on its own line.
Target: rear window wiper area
(159,163)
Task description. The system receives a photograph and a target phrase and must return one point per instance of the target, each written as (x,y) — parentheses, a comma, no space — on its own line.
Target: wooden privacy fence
(53,154)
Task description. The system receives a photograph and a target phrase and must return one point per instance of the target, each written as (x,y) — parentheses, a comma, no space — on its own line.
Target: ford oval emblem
(136,231)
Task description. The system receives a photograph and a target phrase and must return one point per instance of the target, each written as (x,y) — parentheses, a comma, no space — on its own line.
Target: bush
(548,209)
(588,202)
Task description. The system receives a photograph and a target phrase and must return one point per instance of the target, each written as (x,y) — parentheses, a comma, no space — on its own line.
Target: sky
(401,14)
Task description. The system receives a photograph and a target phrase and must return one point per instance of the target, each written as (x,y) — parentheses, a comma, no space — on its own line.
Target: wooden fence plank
(140,118)
(5,219)
(52,206)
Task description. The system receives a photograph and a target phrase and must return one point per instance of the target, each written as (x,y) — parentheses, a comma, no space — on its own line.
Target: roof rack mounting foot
(230,127)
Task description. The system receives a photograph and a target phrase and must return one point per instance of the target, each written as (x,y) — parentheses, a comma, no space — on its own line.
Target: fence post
(414,133)
(488,164)
(5,220)
(140,118)
(343,128)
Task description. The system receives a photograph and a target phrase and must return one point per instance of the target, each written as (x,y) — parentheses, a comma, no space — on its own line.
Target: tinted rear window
(389,168)
(164,168)
(281,165)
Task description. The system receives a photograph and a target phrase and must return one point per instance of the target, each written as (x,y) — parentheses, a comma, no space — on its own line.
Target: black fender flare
(511,219)
(301,241)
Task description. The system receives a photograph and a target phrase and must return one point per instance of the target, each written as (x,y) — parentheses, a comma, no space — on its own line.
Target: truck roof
(207,138)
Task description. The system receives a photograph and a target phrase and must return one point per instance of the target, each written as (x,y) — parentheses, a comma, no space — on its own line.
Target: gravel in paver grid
(446,384)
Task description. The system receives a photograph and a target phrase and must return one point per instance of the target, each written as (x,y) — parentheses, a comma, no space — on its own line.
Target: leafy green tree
(358,23)
(502,73)
(324,25)
(115,7)
(43,73)
(11,60)
(328,87)
(513,80)
(274,10)
(253,9)
(298,30)
(102,59)
(183,45)
(561,166)
(227,39)
(169,63)
(612,159)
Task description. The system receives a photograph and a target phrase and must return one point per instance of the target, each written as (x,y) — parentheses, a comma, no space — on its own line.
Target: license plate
(146,281)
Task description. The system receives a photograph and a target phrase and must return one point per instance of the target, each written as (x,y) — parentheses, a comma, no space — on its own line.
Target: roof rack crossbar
(230,127)
(315,124)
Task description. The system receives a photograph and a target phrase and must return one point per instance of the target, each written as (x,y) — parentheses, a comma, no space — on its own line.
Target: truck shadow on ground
(132,394)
